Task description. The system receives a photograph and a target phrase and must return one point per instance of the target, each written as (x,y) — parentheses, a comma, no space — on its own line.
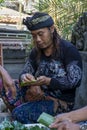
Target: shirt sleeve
(73,67)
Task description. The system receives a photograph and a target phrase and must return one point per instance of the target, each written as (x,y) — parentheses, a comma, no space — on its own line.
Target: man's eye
(40,34)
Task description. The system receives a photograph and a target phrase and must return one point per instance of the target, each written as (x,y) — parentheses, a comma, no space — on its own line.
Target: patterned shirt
(65,72)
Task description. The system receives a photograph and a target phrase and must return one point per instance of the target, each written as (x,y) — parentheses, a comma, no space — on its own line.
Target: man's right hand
(27,77)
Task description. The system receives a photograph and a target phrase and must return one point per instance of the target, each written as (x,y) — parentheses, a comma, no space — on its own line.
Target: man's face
(42,38)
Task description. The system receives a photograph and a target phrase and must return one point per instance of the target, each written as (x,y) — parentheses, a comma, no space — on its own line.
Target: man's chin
(42,48)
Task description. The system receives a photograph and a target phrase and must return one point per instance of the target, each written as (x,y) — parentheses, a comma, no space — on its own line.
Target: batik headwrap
(38,20)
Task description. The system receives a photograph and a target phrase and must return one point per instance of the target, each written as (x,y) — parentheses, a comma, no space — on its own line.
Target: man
(54,68)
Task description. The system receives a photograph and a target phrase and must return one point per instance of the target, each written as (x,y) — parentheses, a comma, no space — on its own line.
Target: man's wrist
(48,81)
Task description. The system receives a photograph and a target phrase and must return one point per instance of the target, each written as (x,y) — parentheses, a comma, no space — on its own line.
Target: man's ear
(52,28)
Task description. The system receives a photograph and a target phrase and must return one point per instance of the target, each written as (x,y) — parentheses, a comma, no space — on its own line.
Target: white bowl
(36,124)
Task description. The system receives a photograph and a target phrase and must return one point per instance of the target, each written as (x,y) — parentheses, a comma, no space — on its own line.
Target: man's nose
(38,38)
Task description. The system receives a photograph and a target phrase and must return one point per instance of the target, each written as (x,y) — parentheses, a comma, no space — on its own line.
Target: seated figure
(54,65)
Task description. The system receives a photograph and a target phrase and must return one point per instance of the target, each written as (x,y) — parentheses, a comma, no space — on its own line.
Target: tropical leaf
(64,12)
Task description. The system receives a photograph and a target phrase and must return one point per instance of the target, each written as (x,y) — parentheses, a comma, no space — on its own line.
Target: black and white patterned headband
(38,20)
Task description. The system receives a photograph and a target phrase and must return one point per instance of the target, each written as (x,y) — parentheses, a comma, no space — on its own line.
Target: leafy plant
(1,1)
(15,125)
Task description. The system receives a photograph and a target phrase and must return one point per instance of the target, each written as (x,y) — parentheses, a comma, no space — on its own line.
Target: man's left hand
(43,80)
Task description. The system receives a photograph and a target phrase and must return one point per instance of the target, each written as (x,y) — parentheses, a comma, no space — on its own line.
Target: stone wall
(14,61)
(81,92)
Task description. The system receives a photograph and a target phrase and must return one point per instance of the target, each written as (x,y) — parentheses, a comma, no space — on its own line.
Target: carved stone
(79,33)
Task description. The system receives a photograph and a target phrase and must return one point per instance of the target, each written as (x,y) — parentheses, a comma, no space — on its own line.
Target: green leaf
(45,119)
(22,84)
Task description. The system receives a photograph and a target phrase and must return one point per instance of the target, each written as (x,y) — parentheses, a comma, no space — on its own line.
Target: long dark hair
(56,43)
(56,46)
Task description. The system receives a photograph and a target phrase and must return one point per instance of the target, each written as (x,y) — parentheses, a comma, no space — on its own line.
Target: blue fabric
(29,112)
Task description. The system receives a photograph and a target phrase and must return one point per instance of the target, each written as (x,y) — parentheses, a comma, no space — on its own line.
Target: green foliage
(1,1)
(8,125)
(64,12)
(15,125)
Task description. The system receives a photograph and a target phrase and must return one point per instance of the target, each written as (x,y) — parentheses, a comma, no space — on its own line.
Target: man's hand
(8,82)
(27,77)
(43,80)
(65,125)
(62,117)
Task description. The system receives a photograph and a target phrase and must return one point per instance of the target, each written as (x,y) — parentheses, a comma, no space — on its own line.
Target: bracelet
(83,126)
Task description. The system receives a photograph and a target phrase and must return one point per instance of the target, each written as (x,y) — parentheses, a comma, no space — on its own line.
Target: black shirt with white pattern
(65,71)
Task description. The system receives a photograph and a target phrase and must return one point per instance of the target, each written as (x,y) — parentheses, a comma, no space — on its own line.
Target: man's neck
(49,50)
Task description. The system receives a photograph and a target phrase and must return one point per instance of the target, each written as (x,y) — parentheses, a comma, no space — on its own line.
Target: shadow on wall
(81,92)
